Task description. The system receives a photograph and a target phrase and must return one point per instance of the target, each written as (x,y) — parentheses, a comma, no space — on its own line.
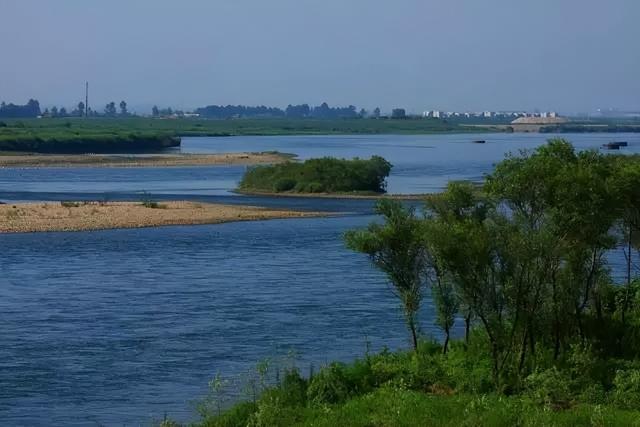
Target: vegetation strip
(81,216)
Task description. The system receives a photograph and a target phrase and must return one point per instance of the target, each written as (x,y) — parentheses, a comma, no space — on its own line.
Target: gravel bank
(160,160)
(82,216)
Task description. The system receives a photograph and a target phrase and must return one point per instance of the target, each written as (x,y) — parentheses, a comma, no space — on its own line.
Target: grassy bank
(139,134)
(228,127)
(429,388)
(70,136)
(325,175)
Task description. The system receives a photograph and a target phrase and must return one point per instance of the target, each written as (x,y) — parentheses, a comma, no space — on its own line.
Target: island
(327,176)
(95,215)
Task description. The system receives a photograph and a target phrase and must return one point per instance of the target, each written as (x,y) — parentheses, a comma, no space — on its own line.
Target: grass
(140,134)
(429,388)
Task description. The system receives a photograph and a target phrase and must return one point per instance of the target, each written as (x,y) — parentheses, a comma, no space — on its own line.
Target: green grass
(137,134)
(428,388)
(82,136)
(396,407)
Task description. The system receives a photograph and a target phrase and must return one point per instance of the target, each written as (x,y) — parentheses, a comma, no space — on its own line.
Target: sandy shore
(100,160)
(81,216)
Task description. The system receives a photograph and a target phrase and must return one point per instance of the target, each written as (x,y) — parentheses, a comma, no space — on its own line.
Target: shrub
(626,393)
(284,184)
(236,416)
(293,388)
(549,388)
(329,385)
(69,204)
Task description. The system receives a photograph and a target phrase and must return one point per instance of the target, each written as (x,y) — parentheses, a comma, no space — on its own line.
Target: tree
(154,111)
(376,113)
(396,248)
(62,112)
(80,111)
(398,113)
(123,108)
(110,109)
(54,111)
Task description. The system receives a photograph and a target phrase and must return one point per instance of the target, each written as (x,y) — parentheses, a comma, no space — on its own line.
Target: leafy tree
(110,109)
(123,108)
(80,109)
(396,248)
(398,113)
(155,112)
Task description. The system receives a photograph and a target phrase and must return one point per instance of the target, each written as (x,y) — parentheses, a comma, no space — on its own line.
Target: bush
(236,416)
(329,385)
(626,393)
(69,204)
(284,184)
(293,389)
(549,388)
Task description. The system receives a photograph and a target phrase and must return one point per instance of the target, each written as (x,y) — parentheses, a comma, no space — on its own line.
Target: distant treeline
(90,143)
(30,109)
(325,175)
(322,111)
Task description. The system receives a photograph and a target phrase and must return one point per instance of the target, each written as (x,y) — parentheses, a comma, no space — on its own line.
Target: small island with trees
(325,175)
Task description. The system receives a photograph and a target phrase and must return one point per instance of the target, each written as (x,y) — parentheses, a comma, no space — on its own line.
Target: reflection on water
(116,327)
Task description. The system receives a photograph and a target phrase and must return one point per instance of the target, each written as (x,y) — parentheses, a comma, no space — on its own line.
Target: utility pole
(86,99)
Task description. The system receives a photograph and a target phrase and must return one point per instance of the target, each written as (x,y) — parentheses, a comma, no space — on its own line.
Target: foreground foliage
(325,175)
(429,388)
(552,337)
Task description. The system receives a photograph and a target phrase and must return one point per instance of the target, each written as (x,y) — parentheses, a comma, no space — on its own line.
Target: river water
(119,327)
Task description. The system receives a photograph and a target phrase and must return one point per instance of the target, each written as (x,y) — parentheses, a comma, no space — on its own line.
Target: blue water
(120,327)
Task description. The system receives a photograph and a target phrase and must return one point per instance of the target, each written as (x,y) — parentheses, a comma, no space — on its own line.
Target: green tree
(123,108)
(110,109)
(396,248)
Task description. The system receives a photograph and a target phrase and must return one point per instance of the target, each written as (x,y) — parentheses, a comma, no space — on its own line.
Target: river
(119,327)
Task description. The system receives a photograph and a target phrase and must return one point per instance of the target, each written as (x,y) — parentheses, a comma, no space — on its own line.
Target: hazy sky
(566,55)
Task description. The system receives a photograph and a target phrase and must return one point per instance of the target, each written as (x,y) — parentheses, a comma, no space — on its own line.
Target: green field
(130,133)
(148,134)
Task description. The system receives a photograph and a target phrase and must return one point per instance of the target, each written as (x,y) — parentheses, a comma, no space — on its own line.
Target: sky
(559,55)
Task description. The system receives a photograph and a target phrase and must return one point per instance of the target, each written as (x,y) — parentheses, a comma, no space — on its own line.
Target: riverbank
(354,195)
(85,216)
(99,160)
